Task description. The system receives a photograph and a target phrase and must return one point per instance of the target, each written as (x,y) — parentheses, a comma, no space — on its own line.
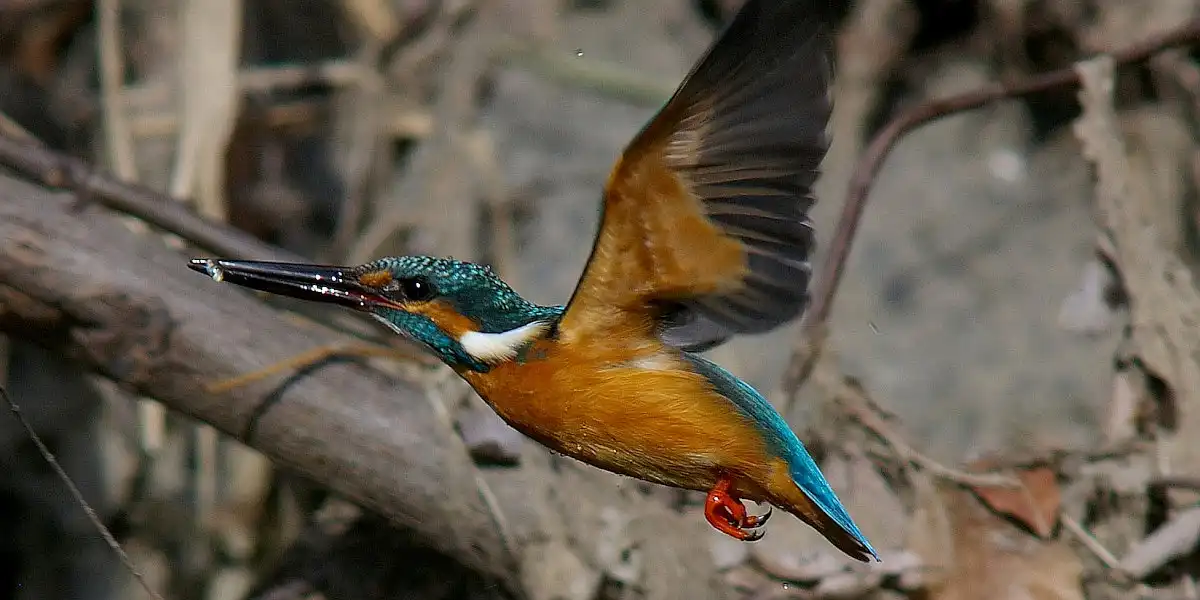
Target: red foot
(728,515)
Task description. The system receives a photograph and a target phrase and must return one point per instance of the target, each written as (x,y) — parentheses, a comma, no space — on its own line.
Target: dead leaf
(930,532)
(1035,503)
(1163,298)
(993,561)
(877,509)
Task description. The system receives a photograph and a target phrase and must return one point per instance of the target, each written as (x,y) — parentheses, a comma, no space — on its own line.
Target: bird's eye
(413,289)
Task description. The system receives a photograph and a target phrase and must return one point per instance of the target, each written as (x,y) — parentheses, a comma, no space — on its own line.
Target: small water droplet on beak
(215,271)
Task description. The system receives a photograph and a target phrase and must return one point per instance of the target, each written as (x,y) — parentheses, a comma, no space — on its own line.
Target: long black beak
(319,283)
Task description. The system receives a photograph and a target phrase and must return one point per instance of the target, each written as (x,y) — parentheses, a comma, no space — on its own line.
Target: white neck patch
(495,348)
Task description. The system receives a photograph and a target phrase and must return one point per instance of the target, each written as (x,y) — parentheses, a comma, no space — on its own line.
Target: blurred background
(976,308)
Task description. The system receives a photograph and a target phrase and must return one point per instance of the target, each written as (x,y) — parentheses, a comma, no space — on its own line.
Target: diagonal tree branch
(57,170)
(881,145)
(814,328)
(76,281)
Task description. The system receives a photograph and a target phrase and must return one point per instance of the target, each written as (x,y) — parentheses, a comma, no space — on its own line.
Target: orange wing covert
(704,230)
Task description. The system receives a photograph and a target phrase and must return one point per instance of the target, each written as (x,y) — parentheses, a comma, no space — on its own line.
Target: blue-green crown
(472,290)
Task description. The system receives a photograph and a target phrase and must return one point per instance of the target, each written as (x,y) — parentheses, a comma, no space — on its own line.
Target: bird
(704,234)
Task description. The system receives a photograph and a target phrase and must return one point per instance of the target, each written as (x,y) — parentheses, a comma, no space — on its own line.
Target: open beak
(319,283)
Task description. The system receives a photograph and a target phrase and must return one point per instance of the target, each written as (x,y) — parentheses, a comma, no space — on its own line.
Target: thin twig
(399,121)
(87,508)
(321,354)
(881,145)
(428,44)
(11,128)
(1177,482)
(333,73)
(1058,458)
(859,407)
(1090,542)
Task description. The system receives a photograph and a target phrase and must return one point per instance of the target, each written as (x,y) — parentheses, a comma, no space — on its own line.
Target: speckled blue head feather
(472,290)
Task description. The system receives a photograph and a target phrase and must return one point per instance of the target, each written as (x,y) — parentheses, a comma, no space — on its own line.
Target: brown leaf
(1035,504)
(993,561)
(875,506)
(931,532)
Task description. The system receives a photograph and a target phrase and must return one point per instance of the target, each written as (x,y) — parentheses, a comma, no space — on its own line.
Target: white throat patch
(495,348)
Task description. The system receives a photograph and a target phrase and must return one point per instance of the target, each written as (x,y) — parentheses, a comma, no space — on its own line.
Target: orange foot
(728,515)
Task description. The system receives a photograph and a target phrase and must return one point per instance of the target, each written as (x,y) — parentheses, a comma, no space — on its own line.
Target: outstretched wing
(705,230)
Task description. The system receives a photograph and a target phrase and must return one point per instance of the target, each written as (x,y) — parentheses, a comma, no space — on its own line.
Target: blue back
(782,439)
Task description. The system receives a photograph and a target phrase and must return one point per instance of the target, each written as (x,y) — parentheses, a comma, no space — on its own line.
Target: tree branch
(57,170)
(881,145)
(75,280)
(814,328)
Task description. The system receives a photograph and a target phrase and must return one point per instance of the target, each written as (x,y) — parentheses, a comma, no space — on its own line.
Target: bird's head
(461,311)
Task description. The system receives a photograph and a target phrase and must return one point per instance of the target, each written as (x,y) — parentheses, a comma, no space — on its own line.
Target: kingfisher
(704,234)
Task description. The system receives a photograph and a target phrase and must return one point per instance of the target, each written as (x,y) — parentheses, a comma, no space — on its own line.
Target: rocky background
(1008,399)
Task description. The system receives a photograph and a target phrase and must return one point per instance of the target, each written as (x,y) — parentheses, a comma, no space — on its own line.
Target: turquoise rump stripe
(782,439)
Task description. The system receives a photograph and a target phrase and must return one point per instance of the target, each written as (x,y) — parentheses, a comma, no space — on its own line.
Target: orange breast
(630,408)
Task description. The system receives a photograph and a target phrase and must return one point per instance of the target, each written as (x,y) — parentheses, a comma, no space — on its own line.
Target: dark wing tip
(750,139)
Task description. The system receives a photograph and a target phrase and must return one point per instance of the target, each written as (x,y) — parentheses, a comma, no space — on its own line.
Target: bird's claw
(755,521)
(728,515)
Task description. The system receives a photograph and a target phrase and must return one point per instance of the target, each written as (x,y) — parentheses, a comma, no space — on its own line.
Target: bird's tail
(830,520)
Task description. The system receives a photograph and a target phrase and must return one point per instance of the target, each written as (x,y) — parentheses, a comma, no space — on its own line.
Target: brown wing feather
(705,231)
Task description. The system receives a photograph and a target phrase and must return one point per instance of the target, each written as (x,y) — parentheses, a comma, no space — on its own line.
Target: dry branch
(208,83)
(437,174)
(61,171)
(1164,302)
(883,142)
(814,330)
(77,496)
(76,281)
(1174,540)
